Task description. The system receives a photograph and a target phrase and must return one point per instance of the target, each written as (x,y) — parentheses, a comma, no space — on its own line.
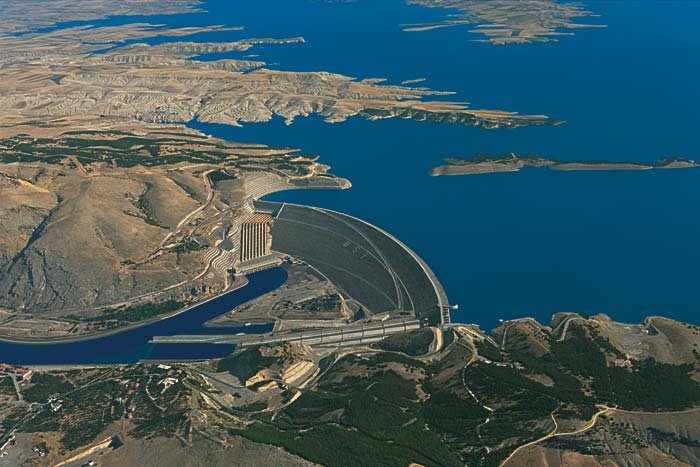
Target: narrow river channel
(132,345)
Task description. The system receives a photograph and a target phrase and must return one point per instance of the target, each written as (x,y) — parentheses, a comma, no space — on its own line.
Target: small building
(22,374)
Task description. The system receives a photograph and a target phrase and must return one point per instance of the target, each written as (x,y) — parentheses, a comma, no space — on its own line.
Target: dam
(366,264)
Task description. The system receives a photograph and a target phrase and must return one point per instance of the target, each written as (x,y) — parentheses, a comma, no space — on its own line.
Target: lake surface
(536,242)
(133,345)
(508,245)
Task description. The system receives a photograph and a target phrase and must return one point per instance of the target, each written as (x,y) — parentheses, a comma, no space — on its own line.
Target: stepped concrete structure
(255,237)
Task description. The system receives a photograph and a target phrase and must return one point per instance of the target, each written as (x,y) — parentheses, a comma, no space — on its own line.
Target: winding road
(602,409)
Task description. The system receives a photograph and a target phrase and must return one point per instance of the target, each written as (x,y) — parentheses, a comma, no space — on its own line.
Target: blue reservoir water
(133,345)
(507,245)
(536,242)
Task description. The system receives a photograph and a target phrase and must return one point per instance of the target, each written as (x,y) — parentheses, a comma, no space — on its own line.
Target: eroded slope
(100,218)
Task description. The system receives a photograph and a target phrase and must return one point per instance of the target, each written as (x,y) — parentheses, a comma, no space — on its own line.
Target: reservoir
(513,244)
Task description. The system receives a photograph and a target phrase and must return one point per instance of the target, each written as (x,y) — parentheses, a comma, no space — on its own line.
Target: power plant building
(256,240)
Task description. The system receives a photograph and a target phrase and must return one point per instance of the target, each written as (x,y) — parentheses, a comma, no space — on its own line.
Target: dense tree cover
(187,245)
(134,313)
(245,363)
(7,387)
(85,406)
(647,385)
(365,413)
(45,385)
(220,176)
(374,419)
(413,343)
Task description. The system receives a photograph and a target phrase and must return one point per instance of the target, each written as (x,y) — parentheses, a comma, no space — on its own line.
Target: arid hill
(105,218)
(105,71)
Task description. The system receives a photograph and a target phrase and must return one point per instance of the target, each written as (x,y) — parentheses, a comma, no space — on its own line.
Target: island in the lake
(504,22)
(512,162)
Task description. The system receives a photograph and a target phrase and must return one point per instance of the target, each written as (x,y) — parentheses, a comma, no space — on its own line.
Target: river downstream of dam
(133,345)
